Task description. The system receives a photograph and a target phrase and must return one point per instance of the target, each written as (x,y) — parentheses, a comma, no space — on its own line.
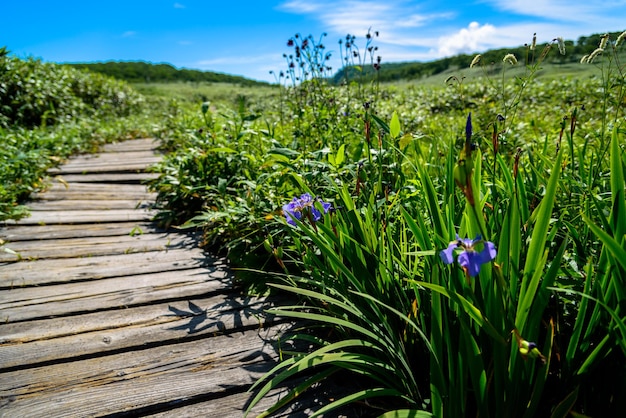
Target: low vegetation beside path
(457,248)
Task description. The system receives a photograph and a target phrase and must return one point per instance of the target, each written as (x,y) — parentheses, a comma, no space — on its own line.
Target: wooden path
(103,314)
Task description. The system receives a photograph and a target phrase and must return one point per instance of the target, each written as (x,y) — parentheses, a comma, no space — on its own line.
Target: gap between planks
(99,320)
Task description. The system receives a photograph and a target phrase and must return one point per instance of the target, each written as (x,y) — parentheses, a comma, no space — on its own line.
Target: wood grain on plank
(125,178)
(20,304)
(57,271)
(21,232)
(129,381)
(103,313)
(128,329)
(85,247)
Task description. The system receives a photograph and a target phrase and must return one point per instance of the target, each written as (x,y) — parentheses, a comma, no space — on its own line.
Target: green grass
(49,112)
(523,317)
(199,92)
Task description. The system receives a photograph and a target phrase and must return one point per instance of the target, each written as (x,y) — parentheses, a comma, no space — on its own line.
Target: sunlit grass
(524,161)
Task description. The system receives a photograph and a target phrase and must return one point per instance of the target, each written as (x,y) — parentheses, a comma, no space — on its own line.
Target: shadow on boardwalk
(104,314)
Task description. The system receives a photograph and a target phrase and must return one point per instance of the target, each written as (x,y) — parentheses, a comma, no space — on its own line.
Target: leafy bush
(469,265)
(49,112)
(33,93)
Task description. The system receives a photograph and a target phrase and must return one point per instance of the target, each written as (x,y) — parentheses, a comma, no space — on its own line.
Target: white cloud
(179,6)
(356,16)
(410,30)
(129,34)
(299,7)
(471,39)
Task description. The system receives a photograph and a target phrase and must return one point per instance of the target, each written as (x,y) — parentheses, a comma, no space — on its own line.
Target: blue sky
(249,37)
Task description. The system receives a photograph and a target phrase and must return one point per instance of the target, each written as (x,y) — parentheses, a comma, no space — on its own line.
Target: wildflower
(476,60)
(561,44)
(584,59)
(304,204)
(470,258)
(620,38)
(528,348)
(510,58)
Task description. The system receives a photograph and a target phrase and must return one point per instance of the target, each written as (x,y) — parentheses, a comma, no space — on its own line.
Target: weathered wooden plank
(44,217)
(21,304)
(126,178)
(57,271)
(118,331)
(52,340)
(96,187)
(139,144)
(169,239)
(115,156)
(110,157)
(235,405)
(208,368)
(104,166)
(199,311)
(95,195)
(20,232)
(122,166)
(83,247)
(305,406)
(99,205)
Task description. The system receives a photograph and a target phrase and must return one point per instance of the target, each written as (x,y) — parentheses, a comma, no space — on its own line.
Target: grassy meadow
(456,244)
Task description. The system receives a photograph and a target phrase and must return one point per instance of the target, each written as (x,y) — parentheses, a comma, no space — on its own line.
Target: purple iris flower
(298,205)
(469,258)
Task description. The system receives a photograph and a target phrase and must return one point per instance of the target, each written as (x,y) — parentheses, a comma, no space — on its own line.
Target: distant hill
(390,72)
(145,72)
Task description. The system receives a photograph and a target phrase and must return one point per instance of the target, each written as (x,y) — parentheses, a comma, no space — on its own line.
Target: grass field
(456,243)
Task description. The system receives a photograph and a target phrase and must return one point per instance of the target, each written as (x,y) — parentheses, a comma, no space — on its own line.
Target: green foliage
(538,170)
(420,335)
(144,72)
(49,112)
(34,94)
(396,72)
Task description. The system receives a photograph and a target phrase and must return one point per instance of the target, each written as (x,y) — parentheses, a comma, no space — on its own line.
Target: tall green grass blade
(433,205)
(319,357)
(618,323)
(535,260)
(542,374)
(473,360)
(471,310)
(574,344)
(618,209)
(292,394)
(355,397)
(613,246)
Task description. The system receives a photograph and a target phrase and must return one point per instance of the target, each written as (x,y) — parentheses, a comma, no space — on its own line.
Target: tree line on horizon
(145,72)
(415,70)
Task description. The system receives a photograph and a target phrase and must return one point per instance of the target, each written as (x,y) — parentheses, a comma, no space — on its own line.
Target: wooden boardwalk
(104,314)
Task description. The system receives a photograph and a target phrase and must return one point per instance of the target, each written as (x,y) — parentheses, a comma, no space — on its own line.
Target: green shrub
(33,93)
(49,112)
